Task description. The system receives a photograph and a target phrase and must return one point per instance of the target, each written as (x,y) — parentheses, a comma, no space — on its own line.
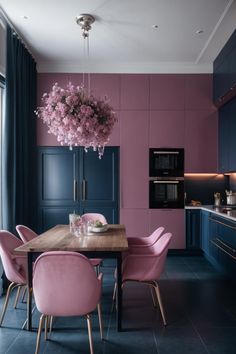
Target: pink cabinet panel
(167,92)
(135,221)
(199,91)
(167,129)
(201,135)
(134,159)
(134,92)
(174,221)
(106,85)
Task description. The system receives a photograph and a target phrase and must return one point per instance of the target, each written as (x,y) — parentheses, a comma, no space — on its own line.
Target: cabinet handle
(84,190)
(222,223)
(75,190)
(216,242)
(166,182)
(222,98)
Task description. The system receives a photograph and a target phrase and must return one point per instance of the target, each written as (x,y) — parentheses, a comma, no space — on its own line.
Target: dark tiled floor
(200,306)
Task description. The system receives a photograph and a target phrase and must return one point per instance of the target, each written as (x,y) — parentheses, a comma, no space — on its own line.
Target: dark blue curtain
(19,135)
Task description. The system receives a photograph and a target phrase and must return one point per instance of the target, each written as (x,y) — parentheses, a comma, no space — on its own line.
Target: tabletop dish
(99,229)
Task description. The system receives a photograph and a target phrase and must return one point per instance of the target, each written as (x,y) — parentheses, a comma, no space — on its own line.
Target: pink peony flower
(76,119)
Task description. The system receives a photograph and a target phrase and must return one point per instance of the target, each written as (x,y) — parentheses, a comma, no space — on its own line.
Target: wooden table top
(59,238)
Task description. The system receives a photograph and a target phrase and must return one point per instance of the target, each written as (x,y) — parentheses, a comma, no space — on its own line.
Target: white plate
(100,229)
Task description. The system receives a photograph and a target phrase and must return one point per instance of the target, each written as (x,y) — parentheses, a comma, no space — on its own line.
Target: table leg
(119,292)
(29,302)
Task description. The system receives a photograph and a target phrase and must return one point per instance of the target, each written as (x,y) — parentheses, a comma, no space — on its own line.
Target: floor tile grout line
(197,333)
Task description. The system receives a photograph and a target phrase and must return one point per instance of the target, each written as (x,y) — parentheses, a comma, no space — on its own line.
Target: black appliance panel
(166,162)
(166,194)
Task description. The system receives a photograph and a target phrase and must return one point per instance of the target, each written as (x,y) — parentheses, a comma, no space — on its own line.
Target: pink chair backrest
(25,233)
(160,249)
(155,236)
(94,217)
(65,284)
(147,267)
(14,267)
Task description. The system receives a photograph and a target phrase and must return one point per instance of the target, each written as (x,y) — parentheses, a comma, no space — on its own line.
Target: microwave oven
(165,162)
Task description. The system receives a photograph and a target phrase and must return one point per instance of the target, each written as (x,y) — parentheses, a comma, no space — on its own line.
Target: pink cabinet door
(136,222)
(167,129)
(134,159)
(134,93)
(201,135)
(167,92)
(174,221)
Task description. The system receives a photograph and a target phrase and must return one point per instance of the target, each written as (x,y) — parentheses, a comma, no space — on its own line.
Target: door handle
(84,190)
(75,190)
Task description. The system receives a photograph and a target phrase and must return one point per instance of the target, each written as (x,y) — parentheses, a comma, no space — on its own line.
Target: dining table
(106,244)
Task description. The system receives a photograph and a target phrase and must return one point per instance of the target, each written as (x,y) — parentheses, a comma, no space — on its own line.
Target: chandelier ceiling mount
(85,21)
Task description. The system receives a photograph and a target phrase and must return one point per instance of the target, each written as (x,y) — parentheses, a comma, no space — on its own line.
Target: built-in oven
(166,193)
(165,162)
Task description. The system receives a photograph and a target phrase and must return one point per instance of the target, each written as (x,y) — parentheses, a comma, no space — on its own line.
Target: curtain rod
(5,18)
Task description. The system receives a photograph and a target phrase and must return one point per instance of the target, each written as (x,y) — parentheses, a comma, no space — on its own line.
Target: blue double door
(76,181)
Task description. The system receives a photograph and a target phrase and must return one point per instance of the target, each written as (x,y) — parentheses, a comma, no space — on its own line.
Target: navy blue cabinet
(223,244)
(227,137)
(76,181)
(205,232)
(193,230)
(218,236)
(224,76)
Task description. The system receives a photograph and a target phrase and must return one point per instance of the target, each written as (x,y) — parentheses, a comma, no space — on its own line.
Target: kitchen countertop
(225,211)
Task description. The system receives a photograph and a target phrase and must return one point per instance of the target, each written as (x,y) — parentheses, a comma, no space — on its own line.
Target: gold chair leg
(160,303)
(26,321)
(114,292)
(39,333)
(100,320)
(153,296)
(17,296)
(51,324)
(24,294)
(46,328)
(9,290)
(114,296)
(90,333)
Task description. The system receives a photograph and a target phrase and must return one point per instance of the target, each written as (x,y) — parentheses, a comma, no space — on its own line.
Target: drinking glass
(74,221)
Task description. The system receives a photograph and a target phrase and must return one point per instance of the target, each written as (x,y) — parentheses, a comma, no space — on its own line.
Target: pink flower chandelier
(75,116)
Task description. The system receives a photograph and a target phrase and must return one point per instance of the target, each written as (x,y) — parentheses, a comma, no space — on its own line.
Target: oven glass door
(166,163)
(166,194)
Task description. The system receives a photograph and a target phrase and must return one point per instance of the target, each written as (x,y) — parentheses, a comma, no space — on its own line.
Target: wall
(159,110)
(203,187)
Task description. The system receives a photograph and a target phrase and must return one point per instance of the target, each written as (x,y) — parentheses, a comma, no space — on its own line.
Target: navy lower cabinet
(193,229)
(224,244)
(205,232)
(75,181)
(218,243)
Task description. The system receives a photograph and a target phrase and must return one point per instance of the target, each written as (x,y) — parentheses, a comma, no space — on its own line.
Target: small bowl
(100,229)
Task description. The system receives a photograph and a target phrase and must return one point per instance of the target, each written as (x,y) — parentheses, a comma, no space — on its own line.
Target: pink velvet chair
(143,244)
(65,284)
(14,266)
(25,233)
(96,262)
(147,268)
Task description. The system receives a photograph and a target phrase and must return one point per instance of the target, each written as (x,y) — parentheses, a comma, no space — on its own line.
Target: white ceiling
(122,38)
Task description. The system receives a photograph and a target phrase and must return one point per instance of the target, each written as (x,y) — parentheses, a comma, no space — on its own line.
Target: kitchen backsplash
(202,187)
(232,182)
